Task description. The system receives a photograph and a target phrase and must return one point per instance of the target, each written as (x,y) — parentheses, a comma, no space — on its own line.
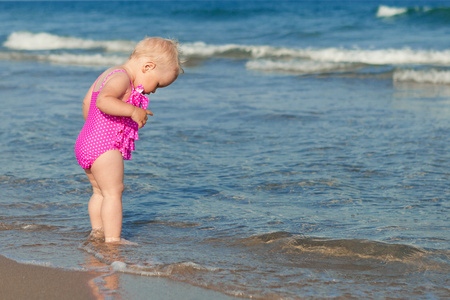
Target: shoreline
(27,281)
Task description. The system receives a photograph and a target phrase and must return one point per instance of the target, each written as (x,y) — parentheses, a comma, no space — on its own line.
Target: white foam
(381,56)
(201,49)
(118,266)
(67,58)
(324,59)
(195,266)
(86,60)
(337,60)
(388,11)
(23,40)
(431,76)
(297,66)
(335,55)
(36,263)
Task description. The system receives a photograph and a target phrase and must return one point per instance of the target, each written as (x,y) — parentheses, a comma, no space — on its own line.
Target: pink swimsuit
(103,132)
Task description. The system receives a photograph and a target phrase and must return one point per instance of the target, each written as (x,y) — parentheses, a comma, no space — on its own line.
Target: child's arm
(87,102)
(110,101)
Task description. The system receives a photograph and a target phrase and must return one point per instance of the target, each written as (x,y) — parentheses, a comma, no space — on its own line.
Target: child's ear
(148,66)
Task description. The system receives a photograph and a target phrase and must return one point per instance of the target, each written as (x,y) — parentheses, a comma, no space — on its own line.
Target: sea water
(304,153)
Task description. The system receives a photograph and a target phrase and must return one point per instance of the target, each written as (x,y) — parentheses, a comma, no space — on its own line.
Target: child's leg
(108,173)
(95,203)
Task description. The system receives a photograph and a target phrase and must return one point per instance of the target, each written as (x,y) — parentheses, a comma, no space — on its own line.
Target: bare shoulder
(115,73)
(114,82)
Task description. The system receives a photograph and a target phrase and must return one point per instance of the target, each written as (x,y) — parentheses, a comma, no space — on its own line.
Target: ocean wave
(45,47)
(431,76)
(26,227)
(151,267)
(44,41)
(24,40)
(384,11)
(311,67)
(331,55)
(201,49)
(389,11)
(379,57)
(241,273)
(86,60)
(298,66)
(357,248)
(66,58)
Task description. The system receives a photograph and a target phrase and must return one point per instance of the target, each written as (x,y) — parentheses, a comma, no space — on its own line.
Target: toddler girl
(114,109)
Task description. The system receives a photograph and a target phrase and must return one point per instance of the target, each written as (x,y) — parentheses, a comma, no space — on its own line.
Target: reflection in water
(104,261)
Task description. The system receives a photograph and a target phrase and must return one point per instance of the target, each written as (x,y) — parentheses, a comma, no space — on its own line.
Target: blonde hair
(161,50)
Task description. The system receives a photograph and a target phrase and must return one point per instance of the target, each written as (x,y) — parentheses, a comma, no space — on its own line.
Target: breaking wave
(334,55)
(45,41)
(45,47)
(24,40)
(299,66)
(432,76)
(385,11)
(389,11)
(66,58)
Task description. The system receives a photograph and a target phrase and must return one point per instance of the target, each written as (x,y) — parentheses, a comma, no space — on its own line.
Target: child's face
(159,77)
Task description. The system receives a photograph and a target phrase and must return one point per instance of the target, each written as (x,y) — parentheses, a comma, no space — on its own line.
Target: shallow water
(294,160)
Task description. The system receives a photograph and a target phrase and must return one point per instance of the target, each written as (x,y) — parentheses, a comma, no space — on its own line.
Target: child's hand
(140,116)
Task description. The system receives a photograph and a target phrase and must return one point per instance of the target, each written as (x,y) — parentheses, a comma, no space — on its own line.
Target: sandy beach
(24,281)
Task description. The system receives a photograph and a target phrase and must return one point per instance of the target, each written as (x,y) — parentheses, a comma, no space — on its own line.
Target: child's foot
(97,234)
(119,241)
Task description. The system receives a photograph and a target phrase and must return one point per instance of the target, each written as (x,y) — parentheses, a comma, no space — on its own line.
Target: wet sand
(25,281)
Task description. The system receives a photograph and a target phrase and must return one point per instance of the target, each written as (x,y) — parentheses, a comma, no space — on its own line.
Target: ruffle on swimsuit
(102,132)
(128,132)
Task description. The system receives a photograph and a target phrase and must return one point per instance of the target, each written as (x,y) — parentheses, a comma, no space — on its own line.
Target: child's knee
(120,188)
(96,191)
(113,190)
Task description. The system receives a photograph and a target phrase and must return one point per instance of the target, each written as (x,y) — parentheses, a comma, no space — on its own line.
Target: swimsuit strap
(106,78)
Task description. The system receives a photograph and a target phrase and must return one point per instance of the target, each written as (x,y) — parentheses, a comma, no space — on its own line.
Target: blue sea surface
(303,154)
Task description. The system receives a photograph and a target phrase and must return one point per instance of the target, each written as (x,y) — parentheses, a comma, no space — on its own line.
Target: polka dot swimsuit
(103,132)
